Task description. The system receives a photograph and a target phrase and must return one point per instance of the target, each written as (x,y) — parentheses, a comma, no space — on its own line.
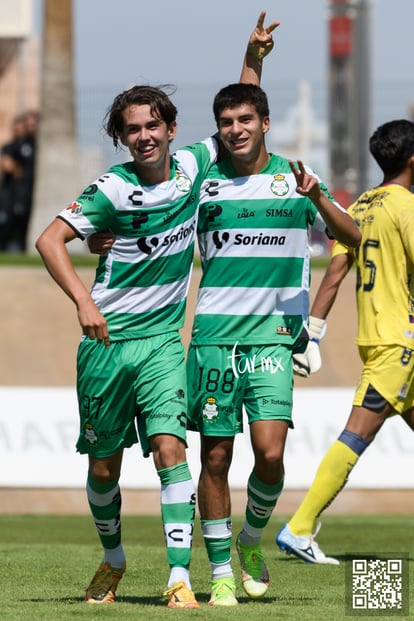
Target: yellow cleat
(104,584)
(180,596)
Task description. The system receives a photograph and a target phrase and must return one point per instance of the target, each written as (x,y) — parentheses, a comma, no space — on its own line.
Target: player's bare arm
(339,223)
(336,271)
(260,45)
(52,247)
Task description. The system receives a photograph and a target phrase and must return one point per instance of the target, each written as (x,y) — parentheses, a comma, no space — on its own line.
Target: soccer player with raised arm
(385,335)
(251,315)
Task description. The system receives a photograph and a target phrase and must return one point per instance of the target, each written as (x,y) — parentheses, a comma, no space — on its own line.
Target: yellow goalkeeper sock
(331,477)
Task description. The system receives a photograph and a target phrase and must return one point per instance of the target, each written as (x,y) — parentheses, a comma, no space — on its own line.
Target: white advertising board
(39,427)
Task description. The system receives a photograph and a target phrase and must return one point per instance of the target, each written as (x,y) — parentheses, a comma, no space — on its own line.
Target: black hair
(235,95)
(160,104)
(392,144)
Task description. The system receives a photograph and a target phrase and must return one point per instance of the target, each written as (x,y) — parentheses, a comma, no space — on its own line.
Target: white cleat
(302,546)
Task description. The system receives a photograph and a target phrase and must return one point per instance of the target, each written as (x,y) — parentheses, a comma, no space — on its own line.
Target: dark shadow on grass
(143,601)
(203,599)
(298,561)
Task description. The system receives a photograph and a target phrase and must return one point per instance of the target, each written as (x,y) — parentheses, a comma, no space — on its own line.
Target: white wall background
(39,427)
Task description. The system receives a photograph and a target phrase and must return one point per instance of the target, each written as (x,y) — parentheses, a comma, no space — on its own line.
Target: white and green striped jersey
(141,285)
(253,240)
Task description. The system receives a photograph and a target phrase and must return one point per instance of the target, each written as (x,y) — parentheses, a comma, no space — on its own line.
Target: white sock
(115,557)
(179,573)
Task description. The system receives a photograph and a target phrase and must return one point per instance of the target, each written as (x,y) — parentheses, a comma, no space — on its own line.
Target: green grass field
(89,260)
(47,562)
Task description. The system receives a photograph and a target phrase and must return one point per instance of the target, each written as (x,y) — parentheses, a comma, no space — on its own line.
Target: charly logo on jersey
(75,208)
(210,409)
(182,182)
(279,185)
(136,198)
(210,188)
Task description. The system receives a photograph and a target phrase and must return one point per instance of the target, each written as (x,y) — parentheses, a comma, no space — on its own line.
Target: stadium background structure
(39,339)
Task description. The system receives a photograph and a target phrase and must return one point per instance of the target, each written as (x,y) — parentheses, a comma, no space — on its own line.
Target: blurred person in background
(17,164)
(9,173)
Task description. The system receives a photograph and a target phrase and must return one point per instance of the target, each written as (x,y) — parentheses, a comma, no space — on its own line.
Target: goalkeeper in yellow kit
(385,337)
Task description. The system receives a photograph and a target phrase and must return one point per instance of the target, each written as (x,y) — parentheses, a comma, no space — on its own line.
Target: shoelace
(312,538)
(223,586)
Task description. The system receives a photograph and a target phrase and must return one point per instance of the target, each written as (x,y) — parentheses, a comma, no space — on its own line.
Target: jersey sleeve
(94,209)
(338,248)
(206,153)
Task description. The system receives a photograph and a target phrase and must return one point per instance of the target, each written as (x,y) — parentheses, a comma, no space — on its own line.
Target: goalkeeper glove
(310,361)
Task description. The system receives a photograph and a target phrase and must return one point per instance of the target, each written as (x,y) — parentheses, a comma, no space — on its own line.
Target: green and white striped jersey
(253,240)
(141,285)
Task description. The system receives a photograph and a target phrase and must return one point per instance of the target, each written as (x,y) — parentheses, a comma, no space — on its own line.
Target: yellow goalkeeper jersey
(385,266)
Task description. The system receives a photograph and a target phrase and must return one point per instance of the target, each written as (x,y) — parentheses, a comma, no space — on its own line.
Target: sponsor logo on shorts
(283,331)
(402,393)
(282,402)
(159,416)
(182,419)
(90,435)
(406,356)
(210,410)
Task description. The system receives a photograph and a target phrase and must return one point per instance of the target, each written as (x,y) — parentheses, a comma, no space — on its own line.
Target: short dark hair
(160,104)
(235,95)
(392,144)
